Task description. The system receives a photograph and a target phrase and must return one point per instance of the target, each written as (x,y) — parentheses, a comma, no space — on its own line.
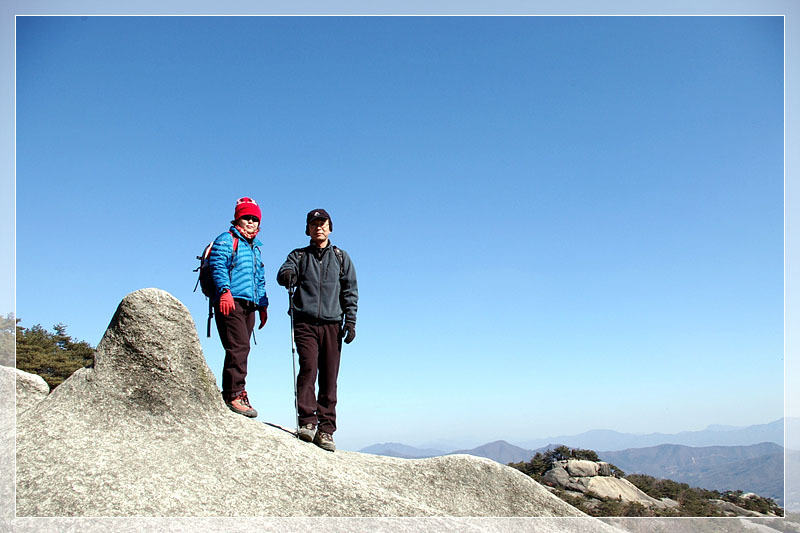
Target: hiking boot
(306,432)
(324,441)
(241,405)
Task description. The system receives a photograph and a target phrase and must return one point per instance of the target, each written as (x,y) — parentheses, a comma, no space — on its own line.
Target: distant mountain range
(720,457)
(502,452)
(714,435)
(757,468)
(395,449)
(599,439)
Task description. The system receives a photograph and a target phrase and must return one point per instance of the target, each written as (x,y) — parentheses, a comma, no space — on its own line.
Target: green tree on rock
(54,356)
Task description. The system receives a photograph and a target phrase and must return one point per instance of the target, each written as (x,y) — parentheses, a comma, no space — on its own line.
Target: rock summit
(146,433)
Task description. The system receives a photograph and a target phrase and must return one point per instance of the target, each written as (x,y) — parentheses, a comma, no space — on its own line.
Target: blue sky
(558,223)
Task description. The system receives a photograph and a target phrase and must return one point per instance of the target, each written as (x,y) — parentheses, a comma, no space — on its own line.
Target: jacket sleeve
(349,290)
(220,261)
(261,283)
(291,264)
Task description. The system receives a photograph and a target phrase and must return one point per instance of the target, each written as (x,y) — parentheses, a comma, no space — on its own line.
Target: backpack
(206,281)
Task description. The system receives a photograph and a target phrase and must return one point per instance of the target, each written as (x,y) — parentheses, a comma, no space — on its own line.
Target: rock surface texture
(145,433)
(30,388)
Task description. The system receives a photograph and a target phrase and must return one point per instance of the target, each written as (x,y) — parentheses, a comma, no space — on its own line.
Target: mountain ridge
(713,435)
(756,468)
(611,440)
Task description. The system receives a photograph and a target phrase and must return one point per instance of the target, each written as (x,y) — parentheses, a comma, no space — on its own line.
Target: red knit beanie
(246,206)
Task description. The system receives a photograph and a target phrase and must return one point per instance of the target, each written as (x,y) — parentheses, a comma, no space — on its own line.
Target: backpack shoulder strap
(340,257)
(235,248)
(235,241)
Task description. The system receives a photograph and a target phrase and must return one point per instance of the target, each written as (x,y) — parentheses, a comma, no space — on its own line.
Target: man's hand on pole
(349,332)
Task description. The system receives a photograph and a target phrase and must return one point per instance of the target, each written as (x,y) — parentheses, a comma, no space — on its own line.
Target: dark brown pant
(234,332)
(319,348)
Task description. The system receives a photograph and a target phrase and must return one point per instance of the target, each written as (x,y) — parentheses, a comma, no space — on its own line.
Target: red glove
(226,304)
(262,313)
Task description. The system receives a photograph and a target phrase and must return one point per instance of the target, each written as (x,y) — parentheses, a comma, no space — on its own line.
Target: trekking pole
(294,370)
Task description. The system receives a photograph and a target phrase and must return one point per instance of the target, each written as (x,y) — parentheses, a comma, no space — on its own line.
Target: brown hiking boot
(324,441)
(306,432)
(241,405)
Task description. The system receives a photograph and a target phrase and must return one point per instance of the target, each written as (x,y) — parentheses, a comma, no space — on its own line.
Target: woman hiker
(238,274)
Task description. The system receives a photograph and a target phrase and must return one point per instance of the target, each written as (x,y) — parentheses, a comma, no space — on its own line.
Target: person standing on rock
(238,274)
(324,307)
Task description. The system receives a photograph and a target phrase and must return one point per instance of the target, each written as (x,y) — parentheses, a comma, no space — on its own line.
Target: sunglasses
(250,218)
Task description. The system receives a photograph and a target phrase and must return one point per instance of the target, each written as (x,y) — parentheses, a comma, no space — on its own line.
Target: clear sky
(558,223)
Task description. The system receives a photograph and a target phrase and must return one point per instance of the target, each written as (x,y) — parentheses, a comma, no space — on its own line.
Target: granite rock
(594,478)
(581,468)
(30,388)
(145,433)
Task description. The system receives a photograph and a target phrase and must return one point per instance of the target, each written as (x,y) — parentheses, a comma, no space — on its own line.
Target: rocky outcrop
(7,437)
(731,509)
(595,479)
(145,433)
(30,388)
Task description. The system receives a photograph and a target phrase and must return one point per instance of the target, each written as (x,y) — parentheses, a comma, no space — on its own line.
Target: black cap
(315,214)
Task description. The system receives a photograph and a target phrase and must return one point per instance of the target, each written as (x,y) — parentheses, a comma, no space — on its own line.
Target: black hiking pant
(234,332)
(319,348)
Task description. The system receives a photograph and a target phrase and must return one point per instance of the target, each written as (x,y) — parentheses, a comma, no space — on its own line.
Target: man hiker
(324,305)
(238,274)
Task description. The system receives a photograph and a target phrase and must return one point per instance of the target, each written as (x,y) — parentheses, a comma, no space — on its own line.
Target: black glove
(349,332)
(287,278)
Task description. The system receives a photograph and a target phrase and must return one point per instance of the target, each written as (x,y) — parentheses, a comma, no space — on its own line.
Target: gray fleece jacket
(326,291)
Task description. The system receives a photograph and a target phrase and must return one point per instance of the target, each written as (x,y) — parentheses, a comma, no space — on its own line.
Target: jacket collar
(313,246)
(317,251)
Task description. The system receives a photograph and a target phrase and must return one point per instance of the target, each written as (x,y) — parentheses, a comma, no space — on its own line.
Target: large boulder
(612,488)
(556,476)
(7,437)
(595,479)
(145,432)
(30,388)
(581,468)
(731,509)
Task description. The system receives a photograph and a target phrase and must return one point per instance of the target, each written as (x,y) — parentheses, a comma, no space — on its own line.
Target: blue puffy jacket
(245,278)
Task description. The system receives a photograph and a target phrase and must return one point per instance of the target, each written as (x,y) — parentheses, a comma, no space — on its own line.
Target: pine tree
(54,356)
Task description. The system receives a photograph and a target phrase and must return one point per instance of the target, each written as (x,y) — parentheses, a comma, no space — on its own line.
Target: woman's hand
(226,303)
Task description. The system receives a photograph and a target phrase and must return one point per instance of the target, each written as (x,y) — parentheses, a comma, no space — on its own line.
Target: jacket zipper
(253,283)
(253,278)
(319,298)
